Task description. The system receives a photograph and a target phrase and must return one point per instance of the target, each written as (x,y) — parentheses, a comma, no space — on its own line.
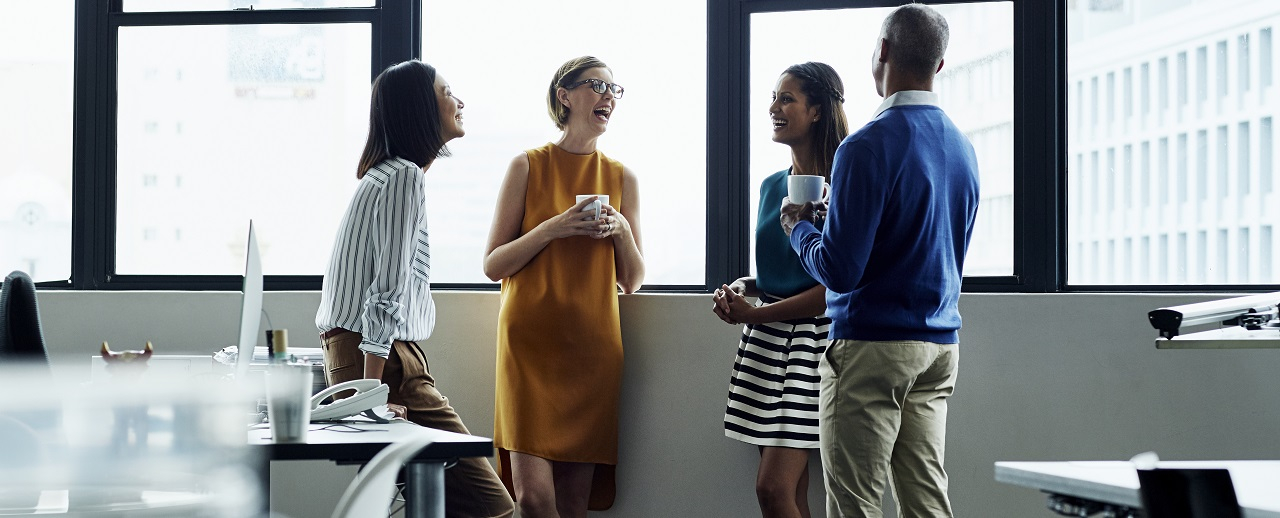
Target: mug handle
(826,192)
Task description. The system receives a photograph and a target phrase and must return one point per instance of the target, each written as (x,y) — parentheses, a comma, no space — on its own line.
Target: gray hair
(918,37)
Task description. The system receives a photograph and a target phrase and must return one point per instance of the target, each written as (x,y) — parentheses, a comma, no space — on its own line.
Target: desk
(1231,337)
(424,487)
(1115,483)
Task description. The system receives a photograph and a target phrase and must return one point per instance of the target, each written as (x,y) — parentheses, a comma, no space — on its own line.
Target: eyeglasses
(599,86)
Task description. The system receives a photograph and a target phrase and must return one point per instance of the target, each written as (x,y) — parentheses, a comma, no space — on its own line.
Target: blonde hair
(568,73)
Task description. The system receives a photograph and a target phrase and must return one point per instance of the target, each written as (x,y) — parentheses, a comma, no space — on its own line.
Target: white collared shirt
(907,98)
(378,282)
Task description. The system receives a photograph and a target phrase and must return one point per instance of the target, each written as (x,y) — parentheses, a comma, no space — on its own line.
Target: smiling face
(588,109)
(790,112)
(450,110)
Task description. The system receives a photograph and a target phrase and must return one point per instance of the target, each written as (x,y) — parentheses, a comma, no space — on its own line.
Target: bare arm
(507,251)
(373,365)
(627,251)
(734,308)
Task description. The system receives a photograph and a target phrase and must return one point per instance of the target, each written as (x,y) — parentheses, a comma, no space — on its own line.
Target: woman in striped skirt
(773,392)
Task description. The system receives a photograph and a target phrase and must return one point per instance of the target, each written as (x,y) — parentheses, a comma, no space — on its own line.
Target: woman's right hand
(729,301)
(573,222)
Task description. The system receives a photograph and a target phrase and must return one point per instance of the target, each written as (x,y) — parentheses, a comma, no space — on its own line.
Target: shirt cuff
(379,350)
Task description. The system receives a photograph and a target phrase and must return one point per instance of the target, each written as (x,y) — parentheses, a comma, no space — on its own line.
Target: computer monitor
(250,306)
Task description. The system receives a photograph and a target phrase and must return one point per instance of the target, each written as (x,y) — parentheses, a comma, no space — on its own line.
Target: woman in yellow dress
(559,338)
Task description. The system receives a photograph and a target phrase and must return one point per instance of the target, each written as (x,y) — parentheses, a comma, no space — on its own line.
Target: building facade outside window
(1229,207)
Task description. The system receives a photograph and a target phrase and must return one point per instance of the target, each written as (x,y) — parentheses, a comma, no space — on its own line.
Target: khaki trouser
(472,489)
(883,413)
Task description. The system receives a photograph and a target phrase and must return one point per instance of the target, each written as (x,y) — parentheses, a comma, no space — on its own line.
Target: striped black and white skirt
(773,391)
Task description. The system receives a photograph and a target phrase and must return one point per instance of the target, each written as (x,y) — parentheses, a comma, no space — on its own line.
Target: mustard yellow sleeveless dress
(559,338)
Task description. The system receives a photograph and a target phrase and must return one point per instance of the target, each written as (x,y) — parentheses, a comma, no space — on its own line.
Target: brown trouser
(472,489)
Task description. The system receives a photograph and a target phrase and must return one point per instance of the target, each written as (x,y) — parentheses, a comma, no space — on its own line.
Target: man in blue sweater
(904,192)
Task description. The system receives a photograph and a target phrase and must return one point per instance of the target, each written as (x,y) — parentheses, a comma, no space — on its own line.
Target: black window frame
(1039,123)
(396,35)
(1040,133)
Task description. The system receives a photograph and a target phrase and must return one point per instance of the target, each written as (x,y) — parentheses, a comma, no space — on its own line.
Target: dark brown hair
(404,118)
(569,72)
(824,89)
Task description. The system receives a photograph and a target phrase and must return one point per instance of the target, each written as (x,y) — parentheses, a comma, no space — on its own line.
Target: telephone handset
(369,394)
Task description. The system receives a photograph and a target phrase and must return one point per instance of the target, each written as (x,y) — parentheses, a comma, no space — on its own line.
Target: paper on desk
(229,354)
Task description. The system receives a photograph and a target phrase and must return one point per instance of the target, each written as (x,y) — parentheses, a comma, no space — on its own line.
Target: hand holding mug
(792,214)
(610,222)
(578,220)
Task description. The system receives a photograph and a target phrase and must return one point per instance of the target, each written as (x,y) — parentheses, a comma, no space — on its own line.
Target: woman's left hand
(611,223)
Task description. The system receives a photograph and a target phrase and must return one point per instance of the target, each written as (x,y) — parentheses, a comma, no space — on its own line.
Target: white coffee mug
(593,206)
(804,188)
(289,402)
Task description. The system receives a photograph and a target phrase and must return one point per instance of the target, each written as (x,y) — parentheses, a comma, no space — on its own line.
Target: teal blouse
(778,269)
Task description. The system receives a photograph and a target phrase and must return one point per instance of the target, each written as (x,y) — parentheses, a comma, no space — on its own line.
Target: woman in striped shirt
(375,305)
(773,392)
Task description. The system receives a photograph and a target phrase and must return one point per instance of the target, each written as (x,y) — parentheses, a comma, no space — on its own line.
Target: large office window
(194,118)
(35,138)
(659,128)
(1233,133)
(984,86)
(217,125)
(975,88)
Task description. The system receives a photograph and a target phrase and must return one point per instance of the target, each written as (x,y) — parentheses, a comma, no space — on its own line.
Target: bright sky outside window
(218,125)
(501,69)
(35,138)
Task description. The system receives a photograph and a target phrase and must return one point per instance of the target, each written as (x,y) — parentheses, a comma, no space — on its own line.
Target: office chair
(21,338)
(371,492)
(21,343)
(1188,493)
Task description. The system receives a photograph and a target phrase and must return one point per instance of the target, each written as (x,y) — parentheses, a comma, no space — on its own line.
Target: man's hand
(793,214)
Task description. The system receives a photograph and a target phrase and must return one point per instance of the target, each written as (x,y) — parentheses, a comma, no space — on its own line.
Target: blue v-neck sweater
(904,192)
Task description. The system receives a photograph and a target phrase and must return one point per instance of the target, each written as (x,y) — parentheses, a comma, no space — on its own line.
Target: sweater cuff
(798,234)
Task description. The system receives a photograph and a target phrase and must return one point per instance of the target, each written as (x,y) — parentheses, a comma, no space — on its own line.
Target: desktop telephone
(369,394)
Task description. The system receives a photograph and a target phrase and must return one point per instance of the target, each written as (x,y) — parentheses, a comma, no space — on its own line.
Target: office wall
(1042,377)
